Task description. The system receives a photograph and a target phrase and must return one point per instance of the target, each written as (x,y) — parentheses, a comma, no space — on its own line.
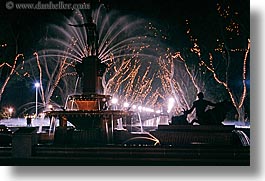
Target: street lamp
(114,101)
(37,85)
(10,110)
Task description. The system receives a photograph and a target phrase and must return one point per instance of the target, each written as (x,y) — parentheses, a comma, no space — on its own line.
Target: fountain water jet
(89,112)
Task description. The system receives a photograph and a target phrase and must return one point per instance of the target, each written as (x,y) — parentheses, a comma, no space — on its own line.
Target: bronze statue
(92,36)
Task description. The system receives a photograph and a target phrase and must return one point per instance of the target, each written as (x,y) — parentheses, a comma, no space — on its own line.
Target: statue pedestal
(23,141)
(190,134)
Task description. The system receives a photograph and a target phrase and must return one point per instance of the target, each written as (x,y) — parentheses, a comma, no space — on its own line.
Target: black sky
(170,13)
(29,25)
(164,10)
(167,9)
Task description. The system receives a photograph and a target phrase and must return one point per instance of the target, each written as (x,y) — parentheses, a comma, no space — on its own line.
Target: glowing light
(37,84)
(149,109)
(126,104)
(171,103)
(158,111)
(10,110)
(114,100)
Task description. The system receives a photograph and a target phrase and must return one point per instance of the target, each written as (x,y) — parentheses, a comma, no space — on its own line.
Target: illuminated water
(22,122)
(133,48)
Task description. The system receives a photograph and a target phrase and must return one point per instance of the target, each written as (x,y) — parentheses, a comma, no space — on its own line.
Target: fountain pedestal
(91,72)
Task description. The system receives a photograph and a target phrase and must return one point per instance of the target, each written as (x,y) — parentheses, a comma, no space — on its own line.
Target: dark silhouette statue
(213,116)
(200,106)
(180,119)
(92,35)
(218,114)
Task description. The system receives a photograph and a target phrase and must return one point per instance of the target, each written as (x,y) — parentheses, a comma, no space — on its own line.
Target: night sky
(28,26)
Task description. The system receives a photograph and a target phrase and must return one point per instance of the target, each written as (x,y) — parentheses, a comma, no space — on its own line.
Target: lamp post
(37,85)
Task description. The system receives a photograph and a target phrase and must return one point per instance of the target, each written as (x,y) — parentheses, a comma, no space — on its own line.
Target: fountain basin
(87,119)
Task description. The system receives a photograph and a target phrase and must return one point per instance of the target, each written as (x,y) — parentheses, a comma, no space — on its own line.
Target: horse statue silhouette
(214,116)
(180,119)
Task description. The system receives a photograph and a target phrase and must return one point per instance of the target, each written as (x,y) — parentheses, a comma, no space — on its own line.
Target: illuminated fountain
(90,112)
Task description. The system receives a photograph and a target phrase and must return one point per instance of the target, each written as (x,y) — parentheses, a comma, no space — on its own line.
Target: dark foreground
(179,146)
(195,155)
